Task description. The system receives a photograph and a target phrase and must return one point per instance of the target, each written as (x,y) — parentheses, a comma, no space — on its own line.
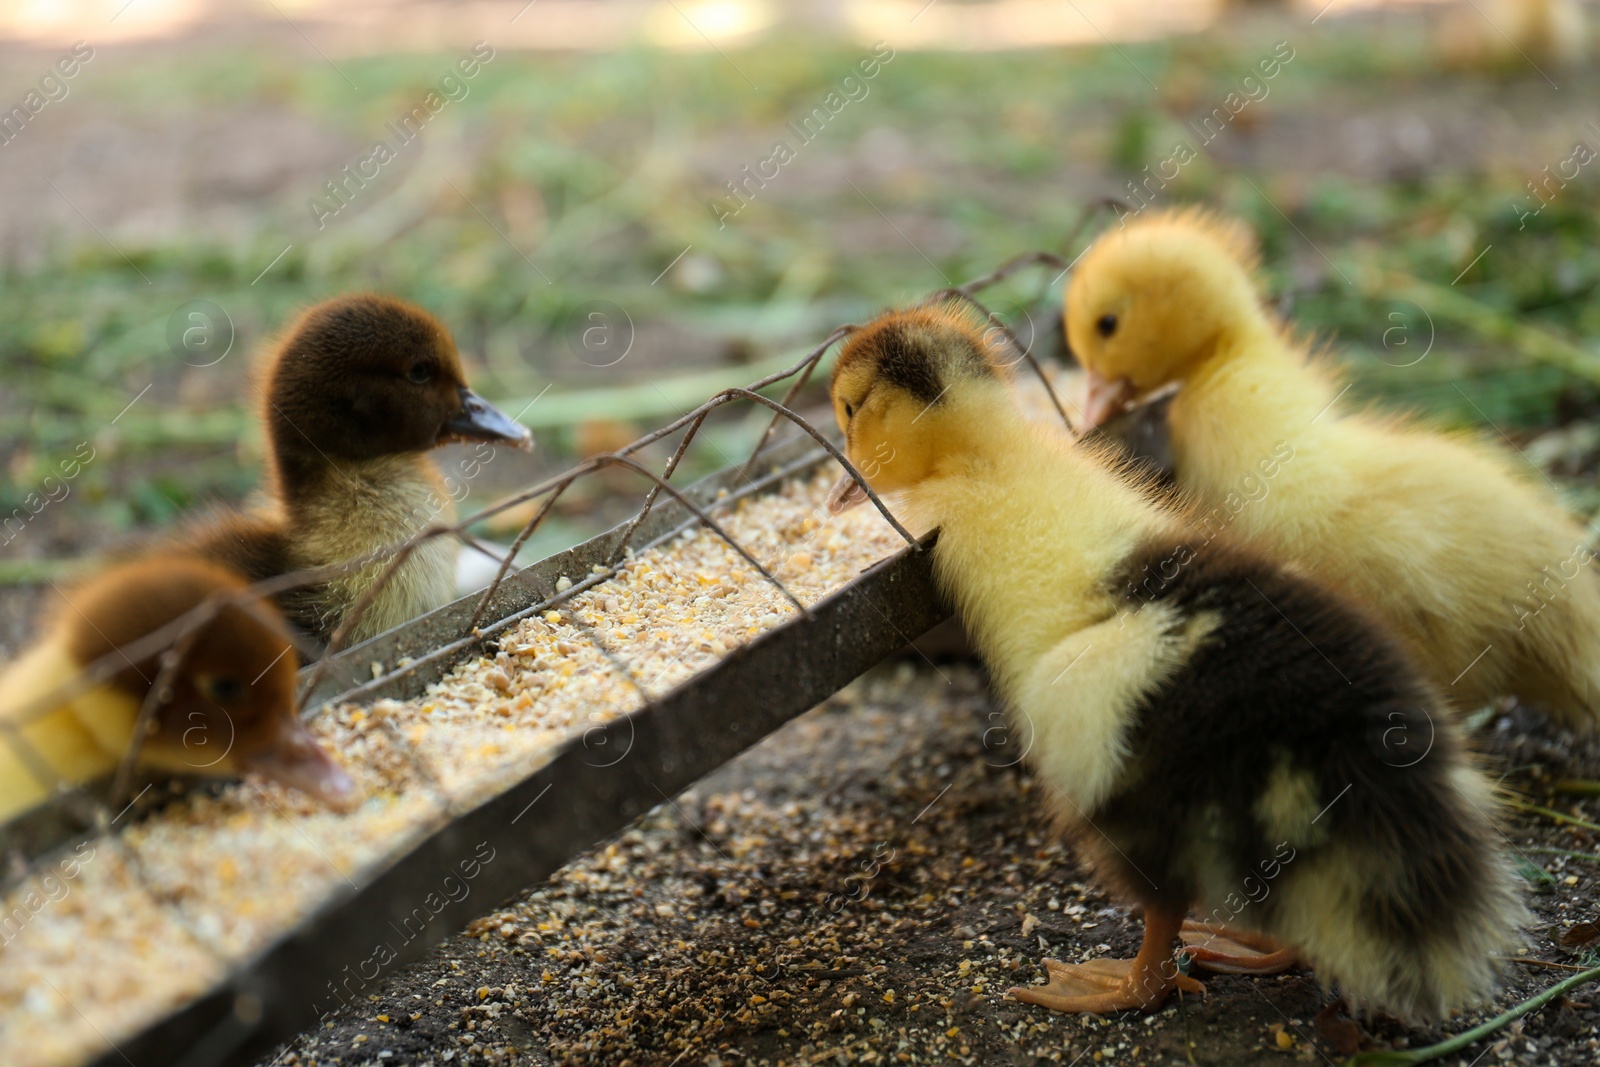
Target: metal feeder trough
(670,743)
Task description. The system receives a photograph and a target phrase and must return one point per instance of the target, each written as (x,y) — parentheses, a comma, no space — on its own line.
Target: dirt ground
(863,887)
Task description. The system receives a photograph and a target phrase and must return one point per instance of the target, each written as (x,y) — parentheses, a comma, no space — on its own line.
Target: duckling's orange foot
(1230,950)
(1101,986)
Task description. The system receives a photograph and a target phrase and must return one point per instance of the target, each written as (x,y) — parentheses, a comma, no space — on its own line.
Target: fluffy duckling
(232,706)
(356,394)
(1512,34)
(1459,547)
(1214,730)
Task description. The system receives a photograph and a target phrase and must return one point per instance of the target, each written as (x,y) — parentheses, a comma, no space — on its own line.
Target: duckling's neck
(1031,530)
(1254,398)
(306,488)
(345,510)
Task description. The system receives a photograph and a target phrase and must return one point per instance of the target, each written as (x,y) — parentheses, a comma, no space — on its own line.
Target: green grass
(600,170)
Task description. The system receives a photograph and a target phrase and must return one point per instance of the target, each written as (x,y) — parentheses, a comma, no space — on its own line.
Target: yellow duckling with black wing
(1222,733)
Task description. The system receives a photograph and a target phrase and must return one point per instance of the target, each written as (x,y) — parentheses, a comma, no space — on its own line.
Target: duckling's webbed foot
(1098,986)
(1230,950)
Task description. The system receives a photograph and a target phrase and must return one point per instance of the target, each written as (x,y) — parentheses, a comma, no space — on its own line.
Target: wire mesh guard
(494,739)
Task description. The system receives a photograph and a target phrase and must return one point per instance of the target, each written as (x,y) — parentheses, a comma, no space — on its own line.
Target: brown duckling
(232,705)
(356,394)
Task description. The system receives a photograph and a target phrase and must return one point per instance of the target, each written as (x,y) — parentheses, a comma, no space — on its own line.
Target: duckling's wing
(255,546)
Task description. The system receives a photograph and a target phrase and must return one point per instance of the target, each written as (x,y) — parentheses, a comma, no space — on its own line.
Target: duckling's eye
(224,690)
(420,373)
(849,410)
(1106,325)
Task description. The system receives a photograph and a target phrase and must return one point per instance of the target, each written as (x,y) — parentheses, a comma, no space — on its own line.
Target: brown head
(1153,302)
(366,376)
(232,700)
(908,389)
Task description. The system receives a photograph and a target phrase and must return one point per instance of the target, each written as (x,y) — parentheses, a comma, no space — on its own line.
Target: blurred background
(620,207)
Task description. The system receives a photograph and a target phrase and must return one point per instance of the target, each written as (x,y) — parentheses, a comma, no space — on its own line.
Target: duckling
(1512,34)
(1214,730)
(1472,560)
(356,394)
(232,705)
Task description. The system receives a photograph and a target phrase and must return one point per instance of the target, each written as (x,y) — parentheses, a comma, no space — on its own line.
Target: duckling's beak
(480,420)
(294,758)
(1106,398)
(846,495)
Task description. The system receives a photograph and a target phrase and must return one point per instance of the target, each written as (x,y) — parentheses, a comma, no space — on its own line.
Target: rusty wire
(521,539)
(159,693)
(736,393)
(807,366)
(694,420)
(621,459)
(174,637)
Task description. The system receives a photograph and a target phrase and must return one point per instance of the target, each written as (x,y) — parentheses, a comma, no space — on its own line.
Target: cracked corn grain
(225,874)
(668,614)
(68,965)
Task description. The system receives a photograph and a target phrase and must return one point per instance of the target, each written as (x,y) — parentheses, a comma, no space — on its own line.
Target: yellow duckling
(1213,729)
(232,706)
(1515,35)
(1468,556)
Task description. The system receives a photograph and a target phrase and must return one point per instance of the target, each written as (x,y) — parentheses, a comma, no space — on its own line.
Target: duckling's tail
(1408,910)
